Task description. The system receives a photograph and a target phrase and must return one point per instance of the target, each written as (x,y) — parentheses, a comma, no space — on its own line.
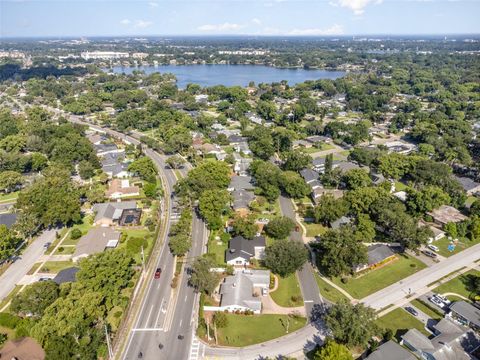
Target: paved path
(455,294)
(16,271)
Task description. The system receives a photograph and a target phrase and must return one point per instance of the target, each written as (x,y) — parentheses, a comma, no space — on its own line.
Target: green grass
(458,285)
(327,291)
(217,250)
(245,330)
(461,245)
(9,197)
(314,229)
(399,186)
(377,279)
(54,267)
(288,293)
(65,250)
(400,322)
(470,200)
(423,307)
(10,296)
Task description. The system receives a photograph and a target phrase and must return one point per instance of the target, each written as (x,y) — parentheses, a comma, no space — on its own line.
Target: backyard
(244,330)
(378,279)
(288,293)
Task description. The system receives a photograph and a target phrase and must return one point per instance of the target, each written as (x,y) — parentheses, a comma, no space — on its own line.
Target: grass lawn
(9,332)
(9,197)
(399,186)
(470,200)
(218,250)
(327,291)
(243,330)
(375,280)
(423,307)
(461,245)
(65,250)
(288,293)
(10,296)
(400,322)
(314,229)
(54,267)
(458,285)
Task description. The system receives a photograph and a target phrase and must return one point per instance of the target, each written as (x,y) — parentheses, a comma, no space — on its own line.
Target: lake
(230,75)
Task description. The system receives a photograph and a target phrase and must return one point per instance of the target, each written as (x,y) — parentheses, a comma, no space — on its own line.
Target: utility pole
(109,346)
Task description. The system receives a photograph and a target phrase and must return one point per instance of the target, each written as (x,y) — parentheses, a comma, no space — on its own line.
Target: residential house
(8,219)
(309,175)
(471,187)
(104,149)
(242,200)
(400,147)
(318,140)
(437,233)
(107,214)
(451,342)
(377,254)
(446,214)
(121,188)
(318,164)
(319,192)
(401,195)
(241,183)
(113,165)
(242,148)
(236,139)
(66,275)
(241,250)
(96,138)
(465,314)
(391,351)
(201,98)
(243,291)
(254,118)
(343,221)
(95,241)
(302,144)
(345,166)
(25,348)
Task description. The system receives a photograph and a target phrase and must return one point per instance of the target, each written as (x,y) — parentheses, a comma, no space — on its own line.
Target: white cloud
(142,24)
(153,4)
(333,30)
(221,27)
(125,22)
(357,6)
(256,21)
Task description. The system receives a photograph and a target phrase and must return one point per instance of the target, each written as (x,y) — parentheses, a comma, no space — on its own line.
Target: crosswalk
(196,349)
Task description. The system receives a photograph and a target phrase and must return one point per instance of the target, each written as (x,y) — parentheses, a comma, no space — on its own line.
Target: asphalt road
(24,262)
(308,284)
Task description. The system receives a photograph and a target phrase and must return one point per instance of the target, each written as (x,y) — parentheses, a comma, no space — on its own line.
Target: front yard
(459,285)
(400,321)
(377,279)
(461,245)
(315,229)
(288,293)
(244,330)
(329,292)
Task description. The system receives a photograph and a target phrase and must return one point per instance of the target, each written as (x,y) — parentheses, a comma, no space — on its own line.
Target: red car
(158,272)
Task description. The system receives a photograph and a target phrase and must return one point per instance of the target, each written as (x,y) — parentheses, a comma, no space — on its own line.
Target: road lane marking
(148,329)
(186,297)
(181,320)
(149,314)
(307,301)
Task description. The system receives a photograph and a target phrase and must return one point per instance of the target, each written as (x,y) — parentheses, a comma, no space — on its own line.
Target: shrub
(76,234)
(3,338)
(344,280)
(9,320)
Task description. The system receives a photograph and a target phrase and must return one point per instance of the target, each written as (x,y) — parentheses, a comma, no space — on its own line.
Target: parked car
(429,254)
(412,311)
(433,247)
(47,245)
(436,301)
(158,272)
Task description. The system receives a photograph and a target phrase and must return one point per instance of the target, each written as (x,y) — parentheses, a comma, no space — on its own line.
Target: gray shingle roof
(8,219)
(241,247)
(66,275)
(467,311)
(237,290)
(309,175)
(378,253)
(391,351)
(112,210)
(467,183)
(242,199)
(241,183)
(95,241)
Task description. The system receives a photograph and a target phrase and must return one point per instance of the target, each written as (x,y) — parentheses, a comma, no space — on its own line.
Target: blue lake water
(230,75)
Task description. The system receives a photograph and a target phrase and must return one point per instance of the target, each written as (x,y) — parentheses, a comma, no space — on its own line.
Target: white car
(433,247)
(436,301)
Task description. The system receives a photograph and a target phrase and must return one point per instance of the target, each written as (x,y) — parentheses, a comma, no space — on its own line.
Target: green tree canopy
(284,257)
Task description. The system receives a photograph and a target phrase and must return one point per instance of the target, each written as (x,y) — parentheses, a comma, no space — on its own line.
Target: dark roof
(8,219)
(467,183)
(66,275)
(467,311)
(318,161)
(242,199)
(309,175)
(241,183)
(316,138)
(236,139)
(391,351)
(378,252)
(241,247)
(341,222)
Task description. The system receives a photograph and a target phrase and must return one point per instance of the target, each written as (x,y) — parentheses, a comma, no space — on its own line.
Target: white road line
(307,301)
(159,312)
(148,329)
(186,296)
(181,320)
(149,314)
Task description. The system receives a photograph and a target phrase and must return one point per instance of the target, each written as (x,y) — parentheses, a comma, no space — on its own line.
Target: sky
(65,18)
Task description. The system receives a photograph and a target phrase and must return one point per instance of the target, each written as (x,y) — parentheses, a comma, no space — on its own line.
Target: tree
(280,227)
(180,244)
(144,168)
(35,299)
(175,161)
(330,209)
(151,190)
(351,325)
(294,185)
(86,169)
(8,242)
(245,226)
(201,278)
(208,175)
(333,351)
(296,160)
(284,257)
(76,234)
(427,199)
(212,204)
(356,178)
(339,251)
(10,180)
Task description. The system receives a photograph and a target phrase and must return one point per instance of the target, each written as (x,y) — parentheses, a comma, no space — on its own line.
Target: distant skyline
(38,18)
